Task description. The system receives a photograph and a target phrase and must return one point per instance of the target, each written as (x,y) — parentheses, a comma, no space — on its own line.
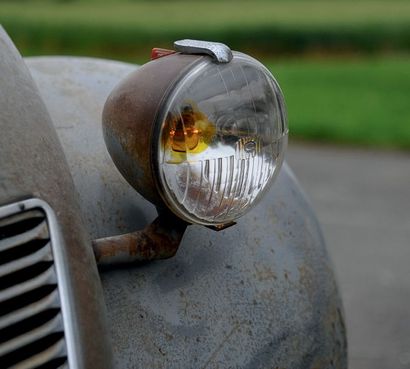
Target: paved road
(363,202)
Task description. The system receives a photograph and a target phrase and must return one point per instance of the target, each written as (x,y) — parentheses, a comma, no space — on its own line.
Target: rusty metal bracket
(221,227)
(159,240)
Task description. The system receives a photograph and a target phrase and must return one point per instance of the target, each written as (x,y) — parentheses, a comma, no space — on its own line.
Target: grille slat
(31,321)
(50,326)
(55,350)
(43,254)
(29,307)
(46,277)
(37,231)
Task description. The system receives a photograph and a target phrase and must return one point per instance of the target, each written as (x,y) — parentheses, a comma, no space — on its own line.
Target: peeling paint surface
(260,294)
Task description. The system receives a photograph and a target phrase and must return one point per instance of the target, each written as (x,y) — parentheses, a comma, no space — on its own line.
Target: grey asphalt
(362,199)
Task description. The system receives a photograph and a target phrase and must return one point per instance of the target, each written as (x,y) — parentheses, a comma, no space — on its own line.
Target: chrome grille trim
(35,310)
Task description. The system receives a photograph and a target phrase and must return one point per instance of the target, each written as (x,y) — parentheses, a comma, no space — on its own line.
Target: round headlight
(202,137)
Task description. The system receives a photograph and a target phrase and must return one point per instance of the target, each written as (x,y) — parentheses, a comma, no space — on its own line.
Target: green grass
(205,14)
(266,27)
(360,102)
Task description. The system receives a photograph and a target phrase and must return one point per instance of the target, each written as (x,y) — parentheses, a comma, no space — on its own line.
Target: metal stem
(159,240)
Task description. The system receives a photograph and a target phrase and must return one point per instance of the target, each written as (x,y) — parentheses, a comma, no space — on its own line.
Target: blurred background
(344,67)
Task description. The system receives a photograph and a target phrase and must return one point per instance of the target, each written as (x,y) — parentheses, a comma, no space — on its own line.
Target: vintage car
(139,227)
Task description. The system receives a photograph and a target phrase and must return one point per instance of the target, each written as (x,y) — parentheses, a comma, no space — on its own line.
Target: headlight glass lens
(222,140)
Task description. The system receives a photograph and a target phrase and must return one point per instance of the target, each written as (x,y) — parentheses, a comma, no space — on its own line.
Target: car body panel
(260,294)
(33,165)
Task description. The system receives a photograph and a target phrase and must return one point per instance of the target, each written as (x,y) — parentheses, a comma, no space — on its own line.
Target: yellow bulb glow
(189,132)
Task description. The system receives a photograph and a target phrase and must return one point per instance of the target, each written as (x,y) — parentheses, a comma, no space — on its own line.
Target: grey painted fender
(34,174)
(260,294)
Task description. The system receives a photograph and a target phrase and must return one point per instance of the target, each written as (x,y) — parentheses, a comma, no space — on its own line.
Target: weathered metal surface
(260,294)
(32,163)
(129,117)
(158,240)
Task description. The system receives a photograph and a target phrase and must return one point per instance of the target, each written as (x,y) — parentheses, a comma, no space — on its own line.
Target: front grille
(31,323)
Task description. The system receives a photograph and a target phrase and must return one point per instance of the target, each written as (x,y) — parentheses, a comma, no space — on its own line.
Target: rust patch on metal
(159,240)
(129,120)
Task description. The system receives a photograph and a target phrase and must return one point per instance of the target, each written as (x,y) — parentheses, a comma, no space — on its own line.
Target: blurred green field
(361,102)
(265,27)
(344,66)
